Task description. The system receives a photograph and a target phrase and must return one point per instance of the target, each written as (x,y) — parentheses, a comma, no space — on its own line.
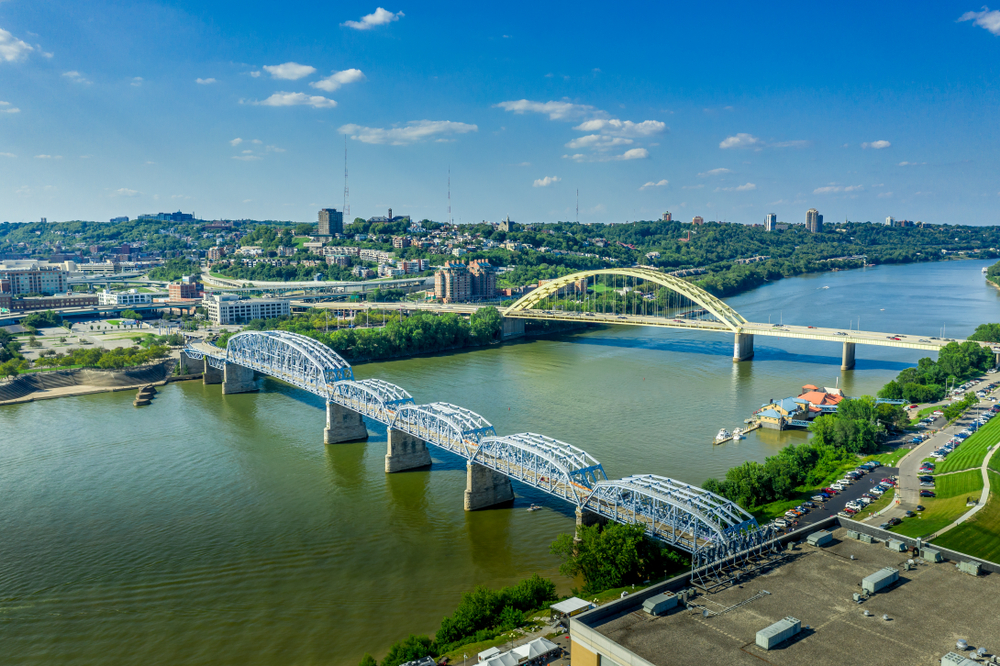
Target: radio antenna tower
(449,194)
(578,205)
(347,194)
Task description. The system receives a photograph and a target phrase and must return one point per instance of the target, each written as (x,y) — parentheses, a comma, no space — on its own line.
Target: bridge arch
(685,516)
(290,357)
(374,398)
(725,314)
(449,426)
(556,467)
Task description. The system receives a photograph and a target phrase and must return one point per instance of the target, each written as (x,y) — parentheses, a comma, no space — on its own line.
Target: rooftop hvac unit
(820,538)
(865,538)
(931,555)
(852,534)
(971,568)
(895,545)
(880,580)
(778,632)
(952,659)
(660,604)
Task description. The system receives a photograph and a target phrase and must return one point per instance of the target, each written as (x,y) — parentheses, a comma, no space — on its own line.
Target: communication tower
(347,194)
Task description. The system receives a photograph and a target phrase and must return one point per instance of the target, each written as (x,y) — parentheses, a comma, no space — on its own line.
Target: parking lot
(854,491)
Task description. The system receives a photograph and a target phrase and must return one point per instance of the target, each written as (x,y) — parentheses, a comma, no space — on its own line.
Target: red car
(829,491)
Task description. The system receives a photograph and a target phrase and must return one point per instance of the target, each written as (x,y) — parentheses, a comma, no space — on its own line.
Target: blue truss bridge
(707,526)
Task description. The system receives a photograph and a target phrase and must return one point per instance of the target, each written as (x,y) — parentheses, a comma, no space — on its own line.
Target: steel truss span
(684,516)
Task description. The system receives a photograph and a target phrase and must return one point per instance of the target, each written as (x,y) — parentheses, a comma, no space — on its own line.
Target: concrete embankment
(81,381)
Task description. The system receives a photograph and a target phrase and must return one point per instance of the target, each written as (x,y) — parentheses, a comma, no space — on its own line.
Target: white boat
(723,435)
(984,269)
(534,507)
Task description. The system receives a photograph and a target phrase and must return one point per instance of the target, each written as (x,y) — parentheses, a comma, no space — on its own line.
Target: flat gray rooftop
(931,607)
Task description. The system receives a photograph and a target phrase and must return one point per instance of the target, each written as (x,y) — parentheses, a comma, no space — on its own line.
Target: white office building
(130,297)
(231,309)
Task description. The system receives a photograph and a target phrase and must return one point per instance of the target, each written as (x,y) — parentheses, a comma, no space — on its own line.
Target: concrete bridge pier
(343,425)
(743,348)
(211,374)
(237,379)
(512,328)
(586,518)
(405,452)
(485,488)
(847,360)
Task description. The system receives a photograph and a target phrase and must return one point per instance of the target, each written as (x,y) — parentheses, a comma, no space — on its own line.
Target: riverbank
(85,389)
(47,385)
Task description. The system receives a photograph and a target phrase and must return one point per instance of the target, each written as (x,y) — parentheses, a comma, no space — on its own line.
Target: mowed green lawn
(972,451)
(994,463)
(952,492)
(980,535)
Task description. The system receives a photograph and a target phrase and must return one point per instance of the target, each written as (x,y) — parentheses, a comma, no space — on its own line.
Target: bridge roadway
(706,525)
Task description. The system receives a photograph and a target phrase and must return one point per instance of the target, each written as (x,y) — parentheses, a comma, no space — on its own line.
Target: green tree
(414,647)
(368,660)
(132,314)
(986,333)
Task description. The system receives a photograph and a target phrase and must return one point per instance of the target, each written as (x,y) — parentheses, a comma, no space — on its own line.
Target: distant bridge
(687,517)
(569,299)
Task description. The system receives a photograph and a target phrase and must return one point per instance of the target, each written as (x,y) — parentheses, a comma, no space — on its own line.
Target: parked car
(920,507)
(927,493)
(894,521)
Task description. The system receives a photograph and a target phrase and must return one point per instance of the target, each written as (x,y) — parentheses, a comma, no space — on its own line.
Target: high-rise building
(453,283)
(331,221)
(889,221)
(484,279)
(667,217)
(29,277)
(697,219)
(769,221)
(814,221)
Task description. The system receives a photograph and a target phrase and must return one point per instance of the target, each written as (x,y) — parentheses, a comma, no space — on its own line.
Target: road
(908,492)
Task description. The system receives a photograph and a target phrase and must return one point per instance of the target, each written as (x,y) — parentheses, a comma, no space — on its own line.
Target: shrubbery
(95,357)
(956,363)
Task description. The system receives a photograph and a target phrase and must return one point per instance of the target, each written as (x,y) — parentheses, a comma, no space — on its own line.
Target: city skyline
(240,111)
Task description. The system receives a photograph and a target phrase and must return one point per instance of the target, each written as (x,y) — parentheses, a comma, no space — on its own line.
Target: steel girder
(555,467)
(290,357)
(684,516)
(374,398)
(442,424)
(728,316)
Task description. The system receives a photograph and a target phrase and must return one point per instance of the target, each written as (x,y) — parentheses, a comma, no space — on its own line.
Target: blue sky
(729,111)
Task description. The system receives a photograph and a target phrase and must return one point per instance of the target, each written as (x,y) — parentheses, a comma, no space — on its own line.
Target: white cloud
(206,82)
(651,184)
(746,188)
(48,157)
(554,110)
(274,149)
(378,17)
(412,132)
(598,142)
(255,74)
(692,187)
(633,154)
(741,140)
(7,155)
(7,107)
(13,49)
(125,192)
(256,141)
(877,145)
(298,99)
(235,142)
(912,163)
(832,189)
(984,19)
(76,77)
(337,79)
(247,152)
(714,172)
(137,81)
(289,71)
(247,158)
(884,195)
(625,128)
(545,182)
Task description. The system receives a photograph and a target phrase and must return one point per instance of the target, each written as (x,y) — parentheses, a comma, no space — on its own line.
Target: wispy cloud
(749,187)
(204,82)
(912,163)
(833,189)
(126,192)
(274,149)
(545,182)
(554,110)
(987,19)
(137,81)
(740,140)
(714,172)
(625,128)
(48,157)
(884,195)
(13,49)
(378,17)
(633,154)
(692,187)
(297,99)
(7,107)
(412,132)
(289,71)
(798,143)
(876,145)
(247,158)
(7,155)
(598,142)
(76,77)
(650,185)
(338,79)
(235,142)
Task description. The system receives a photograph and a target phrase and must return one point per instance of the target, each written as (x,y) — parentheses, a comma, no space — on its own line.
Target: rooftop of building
(929,609)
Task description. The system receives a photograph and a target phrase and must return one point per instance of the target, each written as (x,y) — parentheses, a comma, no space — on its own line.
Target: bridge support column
(405,452)
(211,375)
(237,379)
(512,328)
(847,360)
(343,425)
(586,518)
(484,487)
(743,348)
